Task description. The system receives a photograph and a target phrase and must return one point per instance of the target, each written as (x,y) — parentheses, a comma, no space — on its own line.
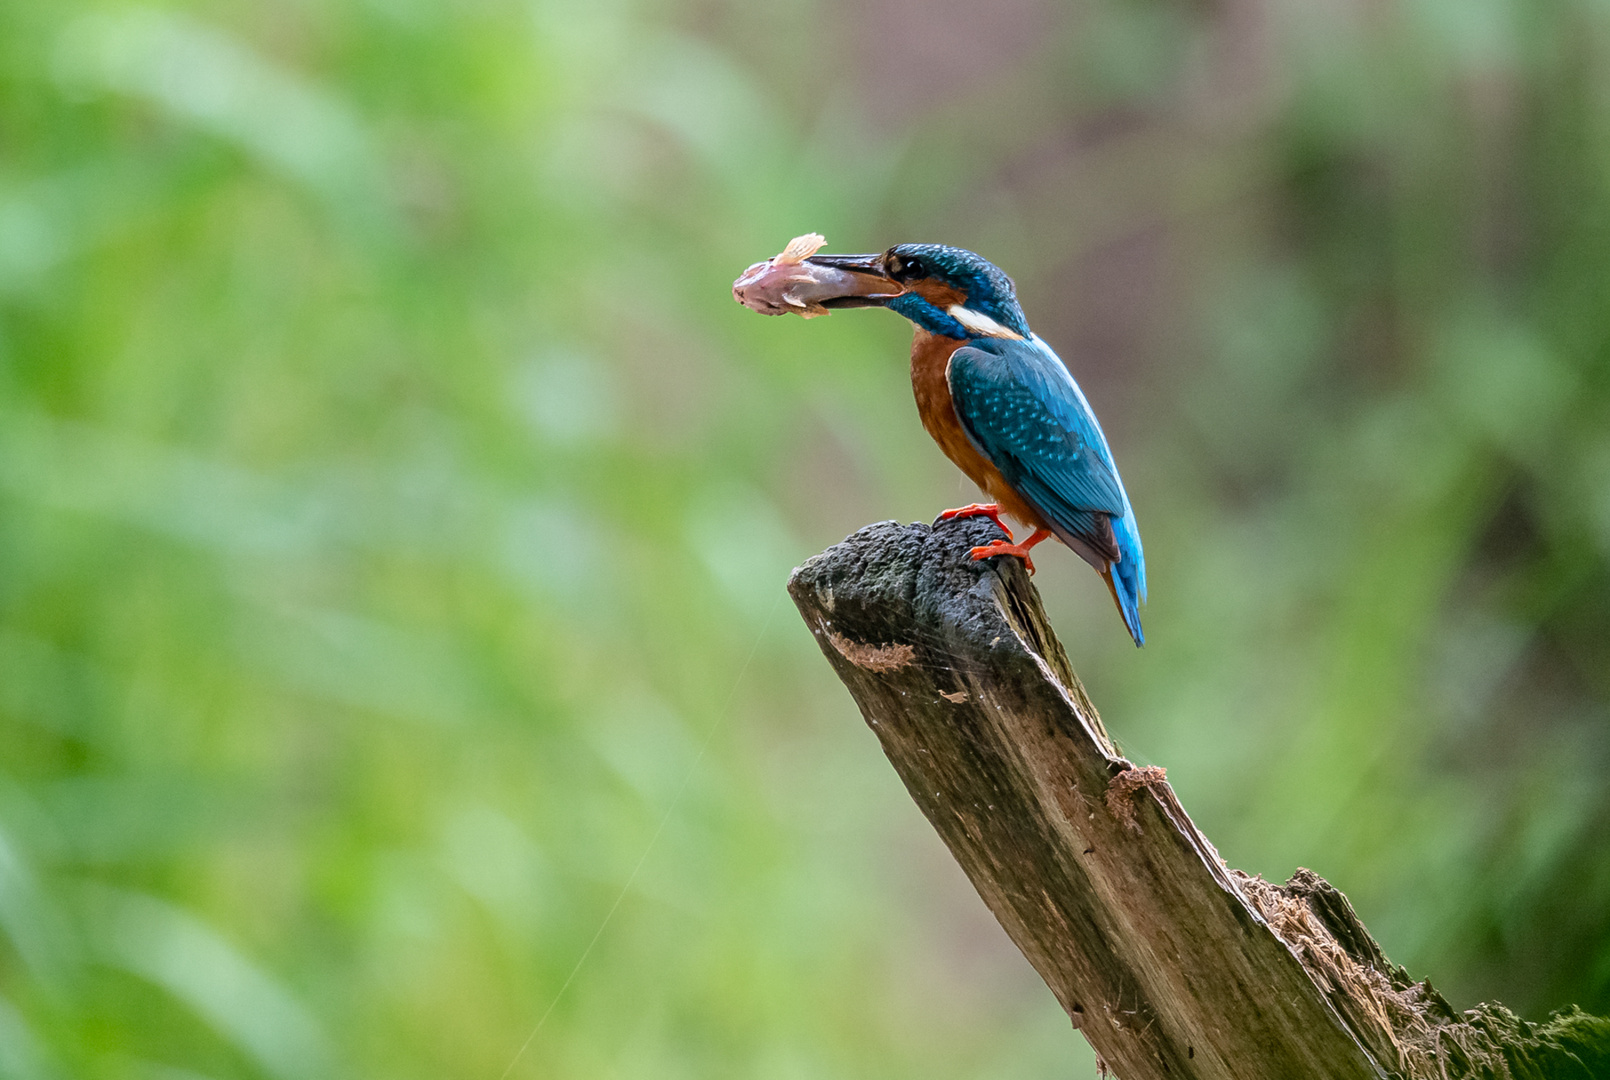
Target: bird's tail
(1127,577)
(1125,589)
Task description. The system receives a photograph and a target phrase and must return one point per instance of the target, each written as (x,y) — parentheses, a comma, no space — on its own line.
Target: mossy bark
(1170,963)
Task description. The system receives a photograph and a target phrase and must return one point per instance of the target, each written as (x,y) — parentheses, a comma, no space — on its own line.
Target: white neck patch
(979,323)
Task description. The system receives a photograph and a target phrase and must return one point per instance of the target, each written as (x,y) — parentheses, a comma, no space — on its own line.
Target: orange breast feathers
(930,360)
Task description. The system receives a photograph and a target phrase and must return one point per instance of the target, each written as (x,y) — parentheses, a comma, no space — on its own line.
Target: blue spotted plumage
(1002,406)
(1024,412)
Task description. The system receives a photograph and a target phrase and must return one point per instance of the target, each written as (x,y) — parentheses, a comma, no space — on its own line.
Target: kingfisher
(994,396)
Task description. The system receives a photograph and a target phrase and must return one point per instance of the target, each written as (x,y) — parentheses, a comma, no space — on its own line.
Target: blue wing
(1024,412)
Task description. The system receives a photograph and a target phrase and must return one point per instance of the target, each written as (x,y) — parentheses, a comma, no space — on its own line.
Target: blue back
(1023,411)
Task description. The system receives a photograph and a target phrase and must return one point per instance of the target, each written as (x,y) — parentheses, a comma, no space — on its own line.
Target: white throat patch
(979,323)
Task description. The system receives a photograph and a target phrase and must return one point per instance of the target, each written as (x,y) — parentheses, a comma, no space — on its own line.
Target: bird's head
(945,290)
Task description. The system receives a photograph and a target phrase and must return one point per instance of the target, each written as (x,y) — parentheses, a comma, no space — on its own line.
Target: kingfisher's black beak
(863,279)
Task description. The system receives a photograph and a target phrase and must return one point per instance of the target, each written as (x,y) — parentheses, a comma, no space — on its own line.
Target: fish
(786,284)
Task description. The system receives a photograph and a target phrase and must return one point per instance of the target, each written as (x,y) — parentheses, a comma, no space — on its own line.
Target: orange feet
(989,510)
(1021,551)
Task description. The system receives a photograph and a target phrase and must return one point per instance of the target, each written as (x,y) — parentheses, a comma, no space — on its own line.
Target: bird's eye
(902,269)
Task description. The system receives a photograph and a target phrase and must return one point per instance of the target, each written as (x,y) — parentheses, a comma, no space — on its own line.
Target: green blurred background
(394,507)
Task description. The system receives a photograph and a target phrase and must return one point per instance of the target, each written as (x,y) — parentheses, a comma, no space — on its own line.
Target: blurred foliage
(394,509)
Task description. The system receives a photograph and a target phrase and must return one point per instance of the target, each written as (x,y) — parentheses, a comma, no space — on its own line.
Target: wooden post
(1171,964)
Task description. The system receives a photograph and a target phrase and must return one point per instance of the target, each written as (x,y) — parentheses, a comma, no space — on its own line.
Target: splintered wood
(1089,862)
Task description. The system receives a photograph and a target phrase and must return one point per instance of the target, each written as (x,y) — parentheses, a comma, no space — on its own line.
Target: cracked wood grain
(1171,964)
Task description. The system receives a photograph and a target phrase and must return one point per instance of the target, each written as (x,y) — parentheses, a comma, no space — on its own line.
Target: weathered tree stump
(1170,963)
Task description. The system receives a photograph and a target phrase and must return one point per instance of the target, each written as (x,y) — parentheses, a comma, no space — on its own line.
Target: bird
(995,397)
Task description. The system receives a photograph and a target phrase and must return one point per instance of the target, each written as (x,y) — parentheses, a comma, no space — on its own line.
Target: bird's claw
(989,510)
(1001,547)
